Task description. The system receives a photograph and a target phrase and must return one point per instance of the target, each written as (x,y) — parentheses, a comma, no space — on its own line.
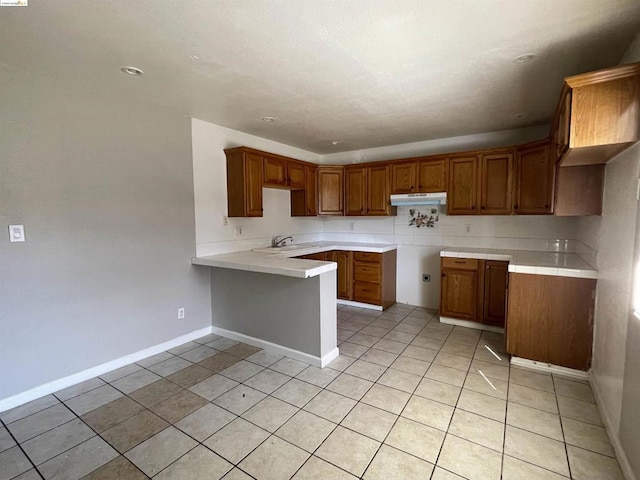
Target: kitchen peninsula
(294,299)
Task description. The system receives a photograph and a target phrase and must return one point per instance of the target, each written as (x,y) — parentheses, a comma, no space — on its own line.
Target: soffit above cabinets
(364,74)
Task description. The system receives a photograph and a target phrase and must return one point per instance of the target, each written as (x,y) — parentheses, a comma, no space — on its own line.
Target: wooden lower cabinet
(344,275)
(374,278)
(550,319)
(474,290)
(362,276)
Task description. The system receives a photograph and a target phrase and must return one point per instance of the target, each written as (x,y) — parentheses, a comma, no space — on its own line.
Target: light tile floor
(408,398)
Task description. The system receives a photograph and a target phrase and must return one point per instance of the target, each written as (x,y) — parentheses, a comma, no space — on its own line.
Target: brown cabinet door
(311,191)
(244,183)
(535,174)
(432,175)
(495,290)
(459,294)
(550,319)
(253,185)
(355,185)
(403,177)
(296,175)
(275,171)
(496,178)
(344,275)
(463,182)
(378,190)
(330,188)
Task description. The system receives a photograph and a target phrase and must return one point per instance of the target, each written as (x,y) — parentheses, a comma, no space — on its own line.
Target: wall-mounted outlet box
(180,313)
(238,231)
(426,277)
(16,233)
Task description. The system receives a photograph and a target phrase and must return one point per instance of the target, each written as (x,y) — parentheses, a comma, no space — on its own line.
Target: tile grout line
(17,444)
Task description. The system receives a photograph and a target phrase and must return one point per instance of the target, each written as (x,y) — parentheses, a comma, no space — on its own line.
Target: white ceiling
(365,73)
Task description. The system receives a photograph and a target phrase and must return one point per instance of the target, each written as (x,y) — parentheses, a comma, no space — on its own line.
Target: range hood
(439,198)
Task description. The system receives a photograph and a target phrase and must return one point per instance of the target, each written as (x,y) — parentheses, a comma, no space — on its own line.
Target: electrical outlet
(225,220)
(426,277)
(238,231)
(180,313)
(467,228)
(352,226)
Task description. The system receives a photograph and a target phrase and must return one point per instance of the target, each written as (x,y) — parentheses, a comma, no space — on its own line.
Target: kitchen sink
(288,248)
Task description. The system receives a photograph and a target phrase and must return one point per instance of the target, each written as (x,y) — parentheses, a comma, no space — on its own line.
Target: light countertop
(278,261)
(532,262)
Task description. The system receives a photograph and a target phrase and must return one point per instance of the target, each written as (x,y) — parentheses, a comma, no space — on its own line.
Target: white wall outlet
(238,231)
(352,226)
(225,220)
(16,233)
(180,313)
(467,228)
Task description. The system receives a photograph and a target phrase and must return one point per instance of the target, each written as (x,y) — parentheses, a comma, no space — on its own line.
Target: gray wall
(105,191)
(616,357)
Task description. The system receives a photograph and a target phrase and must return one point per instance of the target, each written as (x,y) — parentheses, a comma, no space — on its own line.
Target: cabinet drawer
(460,263)
(367,272)
(367,256)
(366,292)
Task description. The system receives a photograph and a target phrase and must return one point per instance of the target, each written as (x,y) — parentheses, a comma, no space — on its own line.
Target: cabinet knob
(482,207)
(515,206)
(368,209)
(443,274)
(546,206)
(419,186)
(473,208)
(411,189)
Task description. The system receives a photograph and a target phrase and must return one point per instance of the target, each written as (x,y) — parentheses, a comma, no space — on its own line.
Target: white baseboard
(359,304)
(55,385)
(469,324)
(549,368)
(276,348)
(612,431)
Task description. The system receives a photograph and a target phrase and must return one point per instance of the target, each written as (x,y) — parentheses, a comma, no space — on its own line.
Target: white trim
(621,456)
(276,348)
(359,304)
(470,324)
(549,368)
(55,385)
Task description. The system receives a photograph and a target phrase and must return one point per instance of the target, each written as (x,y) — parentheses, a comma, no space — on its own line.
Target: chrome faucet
(278,242)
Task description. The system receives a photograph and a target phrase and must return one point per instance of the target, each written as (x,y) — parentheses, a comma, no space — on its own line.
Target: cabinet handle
(516,207)
(411,189)
(368,209)
(546,206)
(443,274)
(473,208)
(460,261)
(482,207)
(365,290)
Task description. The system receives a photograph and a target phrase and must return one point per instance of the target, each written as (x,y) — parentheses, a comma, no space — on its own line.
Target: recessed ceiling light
(335,142)
(522,115)
(136,72)
(524,58)
(268,119)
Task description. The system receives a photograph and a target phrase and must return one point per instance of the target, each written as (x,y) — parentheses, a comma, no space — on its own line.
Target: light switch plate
(16,233)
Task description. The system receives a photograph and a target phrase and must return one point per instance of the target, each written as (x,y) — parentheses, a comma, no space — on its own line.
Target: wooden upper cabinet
(378,190)
(432,175)
(598,115)
(403,177)
(304,203)
(296,175)
(535,176)
(330,191)
(355,190)
(496,179)
(275,172)
(463,182)
(244,183)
